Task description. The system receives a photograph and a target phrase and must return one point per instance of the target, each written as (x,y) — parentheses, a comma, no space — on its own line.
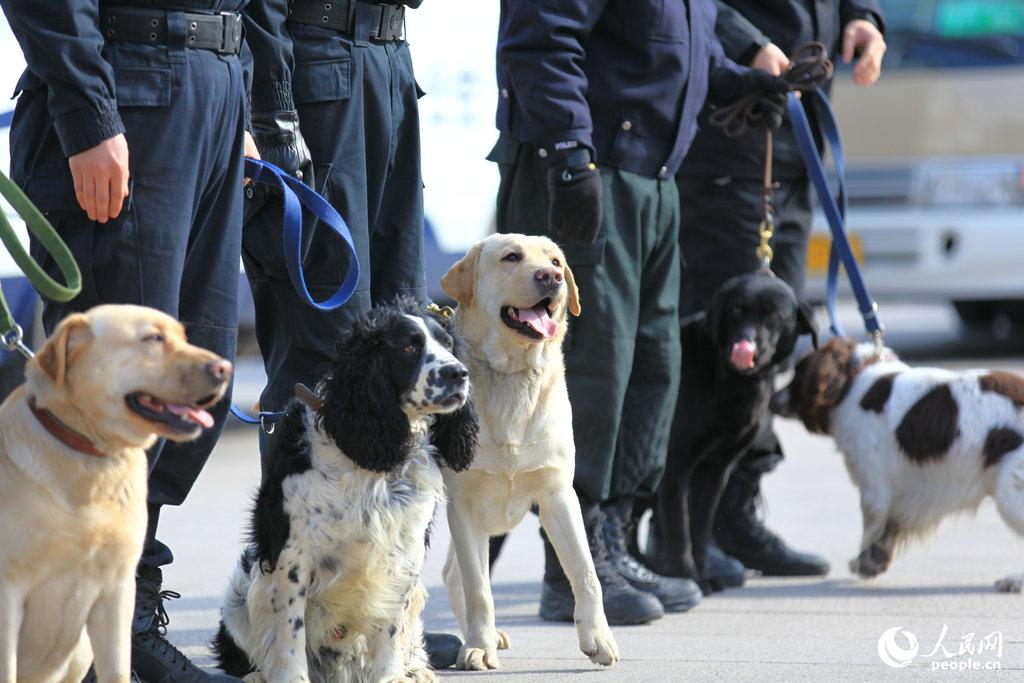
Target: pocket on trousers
(324,81)
(578,255)
(142,87)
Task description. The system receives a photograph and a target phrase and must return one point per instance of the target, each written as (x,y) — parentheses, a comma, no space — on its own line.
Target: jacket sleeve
(63,48)
(272,60)
(724,76)
(861,9)
(540,51)
(740,39)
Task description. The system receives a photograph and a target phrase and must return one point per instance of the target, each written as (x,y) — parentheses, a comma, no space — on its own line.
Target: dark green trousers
(622,354)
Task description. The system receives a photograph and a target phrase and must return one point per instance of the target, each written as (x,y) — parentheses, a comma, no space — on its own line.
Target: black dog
(730,357)
(329,587)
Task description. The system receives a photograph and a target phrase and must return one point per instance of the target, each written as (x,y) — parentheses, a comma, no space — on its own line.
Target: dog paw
(255,677)
(599,644)
(870,563)
(477,658)
(420,675)
(503,640)
(1010,584)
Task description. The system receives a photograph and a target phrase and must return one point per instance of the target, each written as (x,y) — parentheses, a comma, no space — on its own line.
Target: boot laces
(615,531)
(606,573)
(157,637)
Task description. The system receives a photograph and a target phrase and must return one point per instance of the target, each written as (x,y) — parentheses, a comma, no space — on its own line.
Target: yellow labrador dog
(73,484)
(515,293)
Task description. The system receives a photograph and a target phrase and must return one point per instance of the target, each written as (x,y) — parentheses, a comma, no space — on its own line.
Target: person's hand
(861,36)
(575,204)
(280,142)
(773,90)
(100,175)
(771,59)
(249,151)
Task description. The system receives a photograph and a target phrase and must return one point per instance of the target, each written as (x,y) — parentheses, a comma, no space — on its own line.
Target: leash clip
(445,312)
(12,341)
(267,426)
(879,339)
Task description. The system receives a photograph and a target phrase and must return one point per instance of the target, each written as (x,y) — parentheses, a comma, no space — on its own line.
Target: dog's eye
(411,348)
(556,263)
(513,257)
(156,338)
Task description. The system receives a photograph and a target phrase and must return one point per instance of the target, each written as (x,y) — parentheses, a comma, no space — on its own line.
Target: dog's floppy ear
(454,435)
(574,292)
(361,411)
(460,281)
(63,347)
(806,322)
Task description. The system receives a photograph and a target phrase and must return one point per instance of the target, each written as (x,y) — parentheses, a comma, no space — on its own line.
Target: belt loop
(361,29)
(177,36)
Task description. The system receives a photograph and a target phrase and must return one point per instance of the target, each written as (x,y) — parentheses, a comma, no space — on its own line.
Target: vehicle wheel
(976,313)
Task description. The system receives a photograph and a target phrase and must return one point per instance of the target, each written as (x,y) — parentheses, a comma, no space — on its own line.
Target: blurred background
(935,168)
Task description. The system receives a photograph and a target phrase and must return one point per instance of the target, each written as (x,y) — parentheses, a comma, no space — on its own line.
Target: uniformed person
(334,100)
(128,134)
(720,184)
(598,103)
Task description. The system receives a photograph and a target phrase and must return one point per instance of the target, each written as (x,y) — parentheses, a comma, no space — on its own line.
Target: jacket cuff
(746,57)
(83,129)
(554,147)
(272,96)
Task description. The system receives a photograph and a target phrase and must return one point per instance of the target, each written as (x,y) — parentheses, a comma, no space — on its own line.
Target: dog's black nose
(219,369)
(552,277)
(454,373)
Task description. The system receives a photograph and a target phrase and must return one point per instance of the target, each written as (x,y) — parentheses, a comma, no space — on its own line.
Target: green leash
(10,332)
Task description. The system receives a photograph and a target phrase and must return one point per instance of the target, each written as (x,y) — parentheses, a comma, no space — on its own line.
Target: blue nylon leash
(296,196)
(834,207)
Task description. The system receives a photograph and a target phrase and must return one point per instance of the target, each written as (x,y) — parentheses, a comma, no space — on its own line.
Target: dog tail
(230,657)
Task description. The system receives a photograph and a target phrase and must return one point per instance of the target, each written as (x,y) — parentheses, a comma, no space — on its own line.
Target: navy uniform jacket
(626,78)
(271,48)
(744,27)
(63,47)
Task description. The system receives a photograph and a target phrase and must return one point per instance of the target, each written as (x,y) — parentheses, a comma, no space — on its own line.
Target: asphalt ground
(938,595)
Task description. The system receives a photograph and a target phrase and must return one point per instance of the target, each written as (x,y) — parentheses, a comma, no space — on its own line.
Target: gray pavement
(773,629)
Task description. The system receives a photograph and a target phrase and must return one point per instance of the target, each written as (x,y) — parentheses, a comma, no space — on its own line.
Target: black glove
(279,141)
(773,90)
(574,199)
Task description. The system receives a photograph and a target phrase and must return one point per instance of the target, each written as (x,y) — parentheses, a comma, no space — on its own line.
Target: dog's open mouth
(534,323)
(178,417)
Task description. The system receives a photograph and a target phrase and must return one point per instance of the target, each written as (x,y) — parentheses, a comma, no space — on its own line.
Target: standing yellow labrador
(73,484)
(515,293)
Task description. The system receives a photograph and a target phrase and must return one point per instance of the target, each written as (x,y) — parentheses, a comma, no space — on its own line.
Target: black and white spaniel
(329,589)
(919,443)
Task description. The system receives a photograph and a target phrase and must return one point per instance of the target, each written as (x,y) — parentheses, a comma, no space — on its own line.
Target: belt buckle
(392,20)
(231,33)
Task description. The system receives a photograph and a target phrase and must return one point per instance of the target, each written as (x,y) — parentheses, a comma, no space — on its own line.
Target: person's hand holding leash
(863,37)
(771,59)
(100,175)
(773,90)
(249,151)
(575,198)
(280,142)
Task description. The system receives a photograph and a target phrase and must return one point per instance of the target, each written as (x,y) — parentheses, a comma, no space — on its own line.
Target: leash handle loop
(834,208)
(297,195)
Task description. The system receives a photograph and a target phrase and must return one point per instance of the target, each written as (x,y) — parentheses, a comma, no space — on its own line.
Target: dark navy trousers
(357,104)
(176,243)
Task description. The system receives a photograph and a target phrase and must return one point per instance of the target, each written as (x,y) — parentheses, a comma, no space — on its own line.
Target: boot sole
(683,605)
(564,613)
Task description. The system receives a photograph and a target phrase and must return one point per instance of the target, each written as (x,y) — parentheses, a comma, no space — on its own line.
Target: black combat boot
(154,659)
(675,594)
(623,604)
(723,571)
(740,533)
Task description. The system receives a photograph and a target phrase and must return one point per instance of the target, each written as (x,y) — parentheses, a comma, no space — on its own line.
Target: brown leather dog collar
(60,431)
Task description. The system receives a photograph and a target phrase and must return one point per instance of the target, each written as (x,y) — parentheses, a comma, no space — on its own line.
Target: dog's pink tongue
(742,354)
(539,320)
(195,414)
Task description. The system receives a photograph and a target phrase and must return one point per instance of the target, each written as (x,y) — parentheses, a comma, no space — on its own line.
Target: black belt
(387,21)
(221,32)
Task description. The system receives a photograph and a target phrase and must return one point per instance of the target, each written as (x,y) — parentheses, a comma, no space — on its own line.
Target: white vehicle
(935,160)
